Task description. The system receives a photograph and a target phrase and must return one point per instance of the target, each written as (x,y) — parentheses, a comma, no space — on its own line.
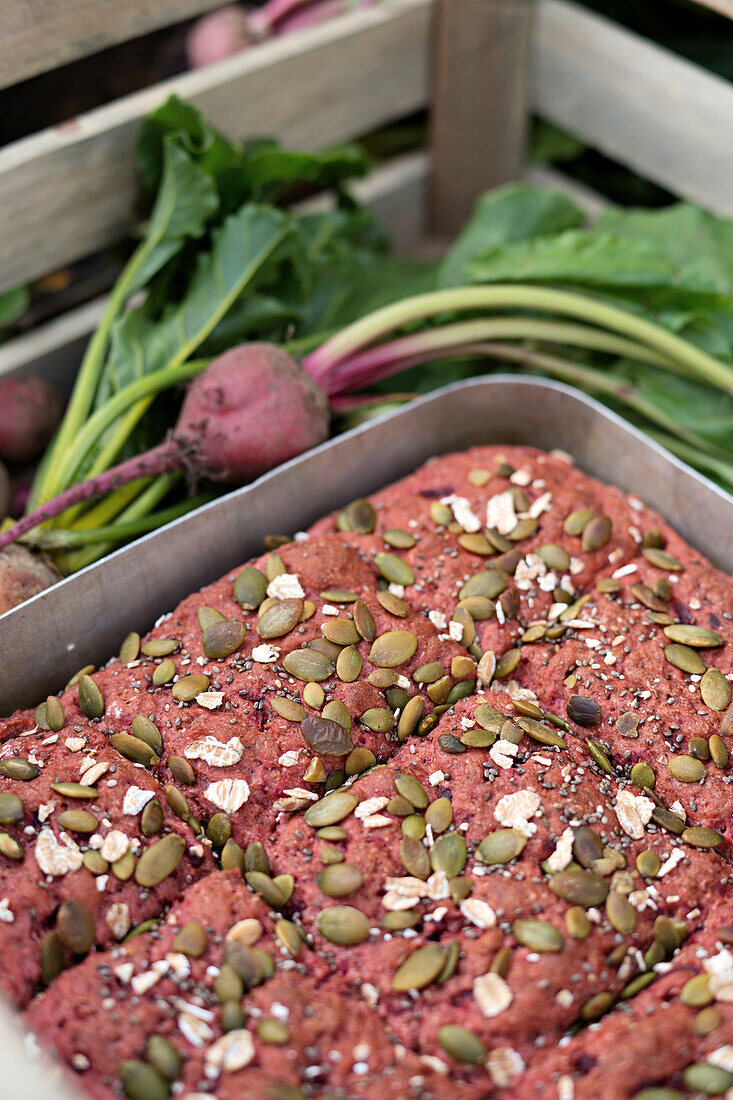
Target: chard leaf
(13,304)
(506,216)
(206,146)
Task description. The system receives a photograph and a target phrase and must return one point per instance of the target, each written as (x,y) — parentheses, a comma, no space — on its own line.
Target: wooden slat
(723,7)
(480,103)
(589,201)
(38,35)
(666,118)
(69,191)
(396,193)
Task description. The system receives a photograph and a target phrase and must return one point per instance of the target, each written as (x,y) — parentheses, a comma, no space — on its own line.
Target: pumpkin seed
(191,940)
(90,698)
(686,768)
(476,543)
(577,923)
(331,809)
(219,829)
(11,808)
(181,770)
(669,933)
(648,863)
(52,957)
(393,648)
(577,521)
(699,836)
(163,1057)
(707,1021)
(398,920)
(507,663)
(95,862)
(325,737)
(641,981)
(715,690)
(439,691)
(159,647)
(501,846)
(699,637)
(74,790)
(579,888)
(429,673)
(393,604)
(124,867)
(278,619)
(555,557)
(395,570)
(410,717)
(538,935)
(524,529)
(378,719)
(315,771)
(270,1030)
(274,567)
(488,584)
(10,847)
(726,723)
(17,767)
(313,695)
(159,860)
(587,846)
(608,586)
(596,533)
(337,711)
(596,1007)
(642,775)
(132,748)
(250,588)
(164,673)
(478,607)
(439,815)
(668,820)
(621,913)
(75,926)
(151,819)
(364,621)
(414,857)
(420,969)
(718,751)
(478,738)
(339,879)
(256,858)
(207,616)
(541,733)
(78,821)
(147,731)
(359,516)
(583,711)
(684,658)
(450,743)
(459,691)
(462,1045)
(54,714)
(699,748)
(268,890)
(141,1081)
(399,539)
(415,826)
(222,639)
(341,631)
(287,708)
(489,717)
(707,1078)
(452,956)
(348,664)
(448,854)
(696,991)
(130,648)
(343,925)
(339,595)
(660,559)
(411,789)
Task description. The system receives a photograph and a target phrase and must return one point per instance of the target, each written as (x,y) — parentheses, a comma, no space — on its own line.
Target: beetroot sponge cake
(433,801)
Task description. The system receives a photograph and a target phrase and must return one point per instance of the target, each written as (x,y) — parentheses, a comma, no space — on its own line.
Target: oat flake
(492,994)
(7,916)
(369,806)
(500,513)
(210,700)
(633,812)
(563,853)
(214,752)
(504,1064)
(231,1052)
(115,845)
(265,654)
(136,799)
(463,513)
(478,912)
(117,919)
(515,811)
(228,794)
(286,586)
(57,855)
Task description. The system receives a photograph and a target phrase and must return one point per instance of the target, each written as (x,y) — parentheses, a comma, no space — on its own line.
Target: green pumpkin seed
(308,665)
(250,588)
(10,847)
(398,920)
(621,913)
(187,688)
(707,1078)
(587,846)
(696,991)
(501,846)
(429,673)
(256,858)
(715,690)
(52,957)
(686,768)
(448,854)
(538,935)
(141,1082)
(420,969)
(75,790)
(378,719)
(459,691)
(672,822)
(555,557)
(541,733)
(462,1045)
(164,1057)
(642,775)
(219,829)
(364,621)
(414,825)
(55,716)
(17,767)
(181,770)
(707,1021)
(191,940)
(410,717)
(476,543)
(124,867)
(349,664)
(151,819)
(278,619)
(130,648)
(343,925)
(331,809)
(11,808)
(641,981)
(313,696)
(337,711)
(339,879)
(698,836)
(507,663)
(359,516)
(274,567)
(414,857)
(132,748)
(159,647)
(579,888)
(596,1007)
(159,860)
(207,616)
(577,923)
(273,1031)
(684,658)
(339,595)
(699,748)
(90,698)
(341,631)
(596,533)
(75,926)
(393,648)
(394,569)
(286,885)
(399,539)
(95,862)
(164,673)
(268,890)
(393,604)
(696,636)
(660,559)
(440,513)
(648,863)
(78,821)
(325,737)
(289,709)
(222,639)
(439,815)
(147,731)
(577,521)
(488,584)
(411,789)
(648,598)
(718,751)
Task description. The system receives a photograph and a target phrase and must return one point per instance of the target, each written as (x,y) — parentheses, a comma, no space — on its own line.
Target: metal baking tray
(83,619)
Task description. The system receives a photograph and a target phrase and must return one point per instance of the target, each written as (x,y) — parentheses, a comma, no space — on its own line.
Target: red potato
(23,573)
(216,36)
(30,410)
(250,410)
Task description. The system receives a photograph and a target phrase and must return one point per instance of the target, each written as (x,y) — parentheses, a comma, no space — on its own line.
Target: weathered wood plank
(480,103)
(724,7)
(396,192)
(69,191)
(38,35)
(668,119)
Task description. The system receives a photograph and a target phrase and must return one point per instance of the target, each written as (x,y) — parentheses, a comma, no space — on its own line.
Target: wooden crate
(480,66)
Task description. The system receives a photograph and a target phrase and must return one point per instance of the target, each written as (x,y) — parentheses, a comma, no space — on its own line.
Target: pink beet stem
(161,459)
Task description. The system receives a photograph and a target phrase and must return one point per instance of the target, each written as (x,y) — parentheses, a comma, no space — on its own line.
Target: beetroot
(217,35)
(30,410)
(250,410)
(23,573)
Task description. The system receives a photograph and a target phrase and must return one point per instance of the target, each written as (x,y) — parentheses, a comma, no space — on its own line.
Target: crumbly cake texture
(433,800)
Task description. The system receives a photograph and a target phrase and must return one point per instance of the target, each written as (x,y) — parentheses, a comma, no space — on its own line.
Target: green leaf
(504,217)
(205,145)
